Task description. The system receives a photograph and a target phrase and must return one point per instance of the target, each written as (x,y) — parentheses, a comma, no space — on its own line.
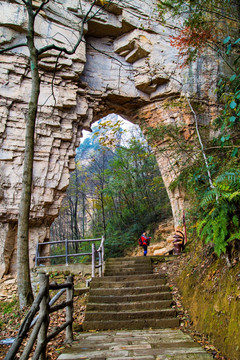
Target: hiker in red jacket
(144,242)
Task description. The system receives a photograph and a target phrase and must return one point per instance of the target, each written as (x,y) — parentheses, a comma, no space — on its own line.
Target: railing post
(66,249)
(100,262)
(93,259)
(44,310)
(36,257)
(69,311)
(103,249)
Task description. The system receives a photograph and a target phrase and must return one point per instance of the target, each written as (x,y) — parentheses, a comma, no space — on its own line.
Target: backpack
(140,241)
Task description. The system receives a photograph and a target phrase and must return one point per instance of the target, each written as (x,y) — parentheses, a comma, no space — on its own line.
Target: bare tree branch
(40,8)
(104,53)
(201,144)
(63,49)
(12,47)
(52,85)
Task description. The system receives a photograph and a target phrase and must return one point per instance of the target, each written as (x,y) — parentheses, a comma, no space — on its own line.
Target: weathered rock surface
(124,64)
(8,288)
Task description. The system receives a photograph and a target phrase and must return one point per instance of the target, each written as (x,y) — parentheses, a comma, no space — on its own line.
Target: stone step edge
(124,273)
(131,284)
(128,268)
(128,271)
(130,315)
(136,324)
(137,312)
(130,258)
(81,291)
(129,277)
(154,302)
(130,308)
(146,288)
(131,265)
(131,297)
(132,281)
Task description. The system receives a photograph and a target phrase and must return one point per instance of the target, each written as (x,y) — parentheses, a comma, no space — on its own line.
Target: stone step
(125,264)
(128,266)
(129,278)
(129,315)
(128,291)
(80,291)
(146,305)
(128,284)
(127,272)
(132,298)
(129,298)
(131,324)
(155,344)
(131,266)
(135,261)
(129,259)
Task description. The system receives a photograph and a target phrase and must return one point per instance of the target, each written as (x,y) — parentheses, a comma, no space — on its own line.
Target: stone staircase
(129,296)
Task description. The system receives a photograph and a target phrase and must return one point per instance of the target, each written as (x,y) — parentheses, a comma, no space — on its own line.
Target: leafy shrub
(221,211)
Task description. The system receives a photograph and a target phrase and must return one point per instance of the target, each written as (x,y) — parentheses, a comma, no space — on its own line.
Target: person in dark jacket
(145,242)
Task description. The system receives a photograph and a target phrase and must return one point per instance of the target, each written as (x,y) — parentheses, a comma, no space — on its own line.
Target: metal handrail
(94,252)
(63,241)
(100,252)
(66,255)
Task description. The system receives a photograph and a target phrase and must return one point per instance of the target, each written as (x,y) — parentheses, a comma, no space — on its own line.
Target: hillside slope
(210,292)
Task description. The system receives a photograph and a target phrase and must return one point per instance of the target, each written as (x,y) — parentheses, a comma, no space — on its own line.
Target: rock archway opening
(116,188)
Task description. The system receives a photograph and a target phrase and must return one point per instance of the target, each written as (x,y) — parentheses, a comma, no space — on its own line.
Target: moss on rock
(211,293)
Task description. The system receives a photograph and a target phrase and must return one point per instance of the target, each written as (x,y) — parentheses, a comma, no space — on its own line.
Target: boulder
(164,251)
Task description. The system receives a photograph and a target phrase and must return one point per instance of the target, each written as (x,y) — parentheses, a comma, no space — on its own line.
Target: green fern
(235,236)
(235,220)
(209,197)
(229,177)
(220,224)
(201,225)
(234,195)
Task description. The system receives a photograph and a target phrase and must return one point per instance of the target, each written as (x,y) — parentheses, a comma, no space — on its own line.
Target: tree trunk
(23,271)
(83,215)
(103,214)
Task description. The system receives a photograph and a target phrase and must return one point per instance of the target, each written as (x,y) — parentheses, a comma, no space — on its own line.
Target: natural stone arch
(132,73)
(151,115)
(103,72)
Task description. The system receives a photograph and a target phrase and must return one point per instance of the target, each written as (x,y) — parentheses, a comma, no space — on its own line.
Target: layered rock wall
(124,65)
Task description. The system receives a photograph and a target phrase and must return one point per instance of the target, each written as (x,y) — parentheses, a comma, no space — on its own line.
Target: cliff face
(124,65)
